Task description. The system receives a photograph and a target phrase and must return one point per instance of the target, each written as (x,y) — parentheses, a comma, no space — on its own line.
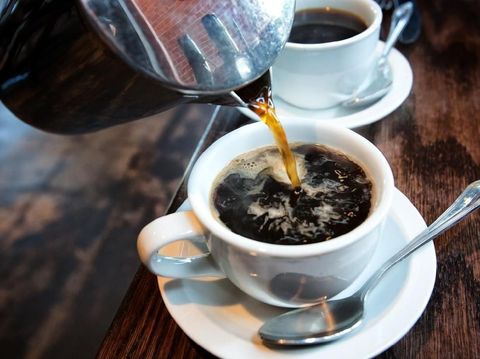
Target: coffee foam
(250,164)
(279,215)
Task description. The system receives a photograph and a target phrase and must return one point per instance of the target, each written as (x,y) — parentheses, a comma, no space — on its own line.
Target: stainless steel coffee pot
(73,66)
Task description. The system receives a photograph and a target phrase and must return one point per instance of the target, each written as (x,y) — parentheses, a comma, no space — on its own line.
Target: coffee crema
(254,197)
(320,25)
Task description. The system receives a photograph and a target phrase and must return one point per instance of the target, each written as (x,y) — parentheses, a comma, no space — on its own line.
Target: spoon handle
(468,201)
(400,18)
(414,27)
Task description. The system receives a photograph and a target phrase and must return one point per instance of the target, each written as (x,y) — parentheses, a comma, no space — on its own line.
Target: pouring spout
(237,98)
(240,97)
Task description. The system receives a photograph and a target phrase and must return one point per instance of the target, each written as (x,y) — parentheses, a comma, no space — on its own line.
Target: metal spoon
(412,31)
(332,319)
(382,76)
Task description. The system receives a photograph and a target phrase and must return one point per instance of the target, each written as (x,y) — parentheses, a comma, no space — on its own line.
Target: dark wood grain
(432,144)
(70,210)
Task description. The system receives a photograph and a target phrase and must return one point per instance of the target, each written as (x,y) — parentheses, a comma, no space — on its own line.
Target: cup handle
(168,229)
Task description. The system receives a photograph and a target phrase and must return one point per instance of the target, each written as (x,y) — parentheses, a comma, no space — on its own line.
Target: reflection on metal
(195,46)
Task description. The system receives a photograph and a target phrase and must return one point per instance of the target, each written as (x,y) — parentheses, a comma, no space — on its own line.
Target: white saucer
(224,321)
(350,117)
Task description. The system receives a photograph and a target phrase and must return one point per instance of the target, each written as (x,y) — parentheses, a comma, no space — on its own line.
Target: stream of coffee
(263,106)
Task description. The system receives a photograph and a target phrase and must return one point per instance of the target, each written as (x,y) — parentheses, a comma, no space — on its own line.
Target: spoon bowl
(380,82)
(316,319)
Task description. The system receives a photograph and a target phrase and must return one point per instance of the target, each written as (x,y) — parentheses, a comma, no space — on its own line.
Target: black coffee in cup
(320,25)
(253,196)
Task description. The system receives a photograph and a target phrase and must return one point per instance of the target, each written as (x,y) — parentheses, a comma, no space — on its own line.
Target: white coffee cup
(271,272)
(318,76)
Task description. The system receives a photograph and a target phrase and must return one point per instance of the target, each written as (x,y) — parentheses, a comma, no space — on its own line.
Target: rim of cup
(376,10)
(202,208)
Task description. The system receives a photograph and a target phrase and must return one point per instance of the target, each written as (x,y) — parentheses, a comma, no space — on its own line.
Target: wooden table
(432,144)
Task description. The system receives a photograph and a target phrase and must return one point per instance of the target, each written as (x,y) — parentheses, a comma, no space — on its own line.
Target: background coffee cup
(281,275)
(317,76)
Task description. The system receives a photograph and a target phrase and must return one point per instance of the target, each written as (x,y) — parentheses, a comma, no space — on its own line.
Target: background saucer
(224,321)
(355,117)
